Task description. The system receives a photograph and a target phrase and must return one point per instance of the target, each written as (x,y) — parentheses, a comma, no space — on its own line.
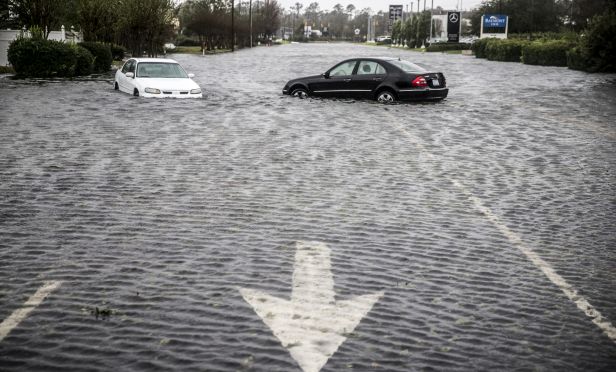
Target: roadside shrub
(42,58)
(479,47)
(546,53)
(7,70)
(85,61)
(443,47)
(597,48)
(117,52)
(505,50)
(102,55)
(577,59)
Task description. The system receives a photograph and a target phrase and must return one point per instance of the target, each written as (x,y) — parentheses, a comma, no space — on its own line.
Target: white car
(156,77)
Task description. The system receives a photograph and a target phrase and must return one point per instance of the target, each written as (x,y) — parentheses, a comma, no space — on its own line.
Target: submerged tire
(299,92)
(386,96)
(116,86)
(136,93)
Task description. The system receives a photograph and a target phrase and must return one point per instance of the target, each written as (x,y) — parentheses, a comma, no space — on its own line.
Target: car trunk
(435,79)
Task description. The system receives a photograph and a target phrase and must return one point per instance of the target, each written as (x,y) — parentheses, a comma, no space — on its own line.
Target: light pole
(250,16)
(232,25)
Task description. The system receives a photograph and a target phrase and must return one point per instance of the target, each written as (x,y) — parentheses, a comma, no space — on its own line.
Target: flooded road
(465,215)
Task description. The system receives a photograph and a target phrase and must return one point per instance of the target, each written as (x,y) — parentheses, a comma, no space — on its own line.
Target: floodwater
(159,210)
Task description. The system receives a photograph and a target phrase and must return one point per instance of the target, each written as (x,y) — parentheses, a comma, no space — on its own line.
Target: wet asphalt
(159,210)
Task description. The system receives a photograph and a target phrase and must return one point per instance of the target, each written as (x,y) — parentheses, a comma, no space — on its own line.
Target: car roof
(157,60)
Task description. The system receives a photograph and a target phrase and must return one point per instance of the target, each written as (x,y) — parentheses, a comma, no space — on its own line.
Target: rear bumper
(422,94)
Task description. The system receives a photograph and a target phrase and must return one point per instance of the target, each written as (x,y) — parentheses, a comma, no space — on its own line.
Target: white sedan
(156,77)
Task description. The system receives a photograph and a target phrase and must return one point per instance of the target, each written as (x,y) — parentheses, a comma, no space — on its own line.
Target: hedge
(42,58)
(577,59)
(505,50)
(101,53)
(546,53)
(596,51)
(442,47)
(479,47)
(85,61)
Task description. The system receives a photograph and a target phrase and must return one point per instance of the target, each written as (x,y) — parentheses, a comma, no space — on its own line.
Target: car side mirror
(325,75)
(130,74)
(191,75)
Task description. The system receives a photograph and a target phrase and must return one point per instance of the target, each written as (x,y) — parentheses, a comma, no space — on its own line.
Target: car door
(336,82)
(123,81)
(369,75)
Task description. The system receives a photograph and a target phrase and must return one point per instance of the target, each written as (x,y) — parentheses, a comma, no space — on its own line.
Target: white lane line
(569,291)
(580,301)
(20,314)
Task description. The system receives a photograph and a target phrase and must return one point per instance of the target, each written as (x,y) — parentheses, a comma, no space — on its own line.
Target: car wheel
(386,96)
(299,92)
(136,93)
(116,86)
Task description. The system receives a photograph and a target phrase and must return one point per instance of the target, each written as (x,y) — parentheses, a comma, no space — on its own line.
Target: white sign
(357,31)
(312,324)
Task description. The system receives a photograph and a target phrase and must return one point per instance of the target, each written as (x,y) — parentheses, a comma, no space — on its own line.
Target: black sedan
(383,79)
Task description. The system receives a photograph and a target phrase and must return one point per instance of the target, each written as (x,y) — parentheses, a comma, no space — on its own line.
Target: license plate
(436,83)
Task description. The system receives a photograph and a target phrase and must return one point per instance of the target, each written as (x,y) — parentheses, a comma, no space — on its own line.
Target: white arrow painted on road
(312,325)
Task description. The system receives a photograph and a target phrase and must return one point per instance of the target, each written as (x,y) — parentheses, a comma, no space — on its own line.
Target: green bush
(442,47)
(42,58)
(102,55)
(117,52)
(505,50)
(85,61)
(596,51)
(546,53)
(577,59)
(479,47)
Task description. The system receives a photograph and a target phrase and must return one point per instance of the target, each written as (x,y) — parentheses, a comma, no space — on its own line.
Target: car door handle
(346,80)
(377,79)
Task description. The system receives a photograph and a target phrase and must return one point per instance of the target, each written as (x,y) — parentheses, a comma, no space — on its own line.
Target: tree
(46,14)
(97,19)
(144,25)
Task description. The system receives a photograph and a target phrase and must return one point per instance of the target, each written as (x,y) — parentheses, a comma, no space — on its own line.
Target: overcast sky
(377,5)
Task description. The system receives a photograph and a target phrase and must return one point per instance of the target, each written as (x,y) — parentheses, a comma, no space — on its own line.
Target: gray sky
(377,5)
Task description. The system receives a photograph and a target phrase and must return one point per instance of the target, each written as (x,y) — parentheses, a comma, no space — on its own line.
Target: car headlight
(195,91)
(152,90)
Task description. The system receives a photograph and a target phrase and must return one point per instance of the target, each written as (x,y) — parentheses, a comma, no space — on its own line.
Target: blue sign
(494,21)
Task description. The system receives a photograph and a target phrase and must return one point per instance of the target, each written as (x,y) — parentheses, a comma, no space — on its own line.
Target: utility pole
(232,25)
(250,16)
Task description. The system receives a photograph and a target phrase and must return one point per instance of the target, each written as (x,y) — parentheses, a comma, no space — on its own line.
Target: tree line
(143,26)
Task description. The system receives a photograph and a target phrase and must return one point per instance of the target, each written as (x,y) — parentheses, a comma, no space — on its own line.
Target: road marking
(22,313)
(312,325)
(569,291)
(580,301)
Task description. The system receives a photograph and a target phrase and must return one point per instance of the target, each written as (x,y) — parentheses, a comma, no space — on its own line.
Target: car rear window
(407,66)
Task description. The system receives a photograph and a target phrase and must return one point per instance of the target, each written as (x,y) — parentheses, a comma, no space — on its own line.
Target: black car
(383,79)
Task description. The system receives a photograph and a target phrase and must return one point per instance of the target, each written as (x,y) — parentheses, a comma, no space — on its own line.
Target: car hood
(305,79)
(168,83)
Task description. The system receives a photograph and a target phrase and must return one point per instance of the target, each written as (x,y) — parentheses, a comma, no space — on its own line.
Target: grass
(6,70)
(195,50)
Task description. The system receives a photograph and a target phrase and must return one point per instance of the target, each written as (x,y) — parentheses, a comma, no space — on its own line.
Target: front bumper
(422,94)
(173,94)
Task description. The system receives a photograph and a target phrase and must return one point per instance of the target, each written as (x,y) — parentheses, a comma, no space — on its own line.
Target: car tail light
(419,82)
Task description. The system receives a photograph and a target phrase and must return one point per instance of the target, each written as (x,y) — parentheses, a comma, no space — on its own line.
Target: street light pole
(233,25)
(250,16)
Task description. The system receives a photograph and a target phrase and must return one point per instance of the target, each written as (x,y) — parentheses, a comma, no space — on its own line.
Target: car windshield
(160,70)
(407,66)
